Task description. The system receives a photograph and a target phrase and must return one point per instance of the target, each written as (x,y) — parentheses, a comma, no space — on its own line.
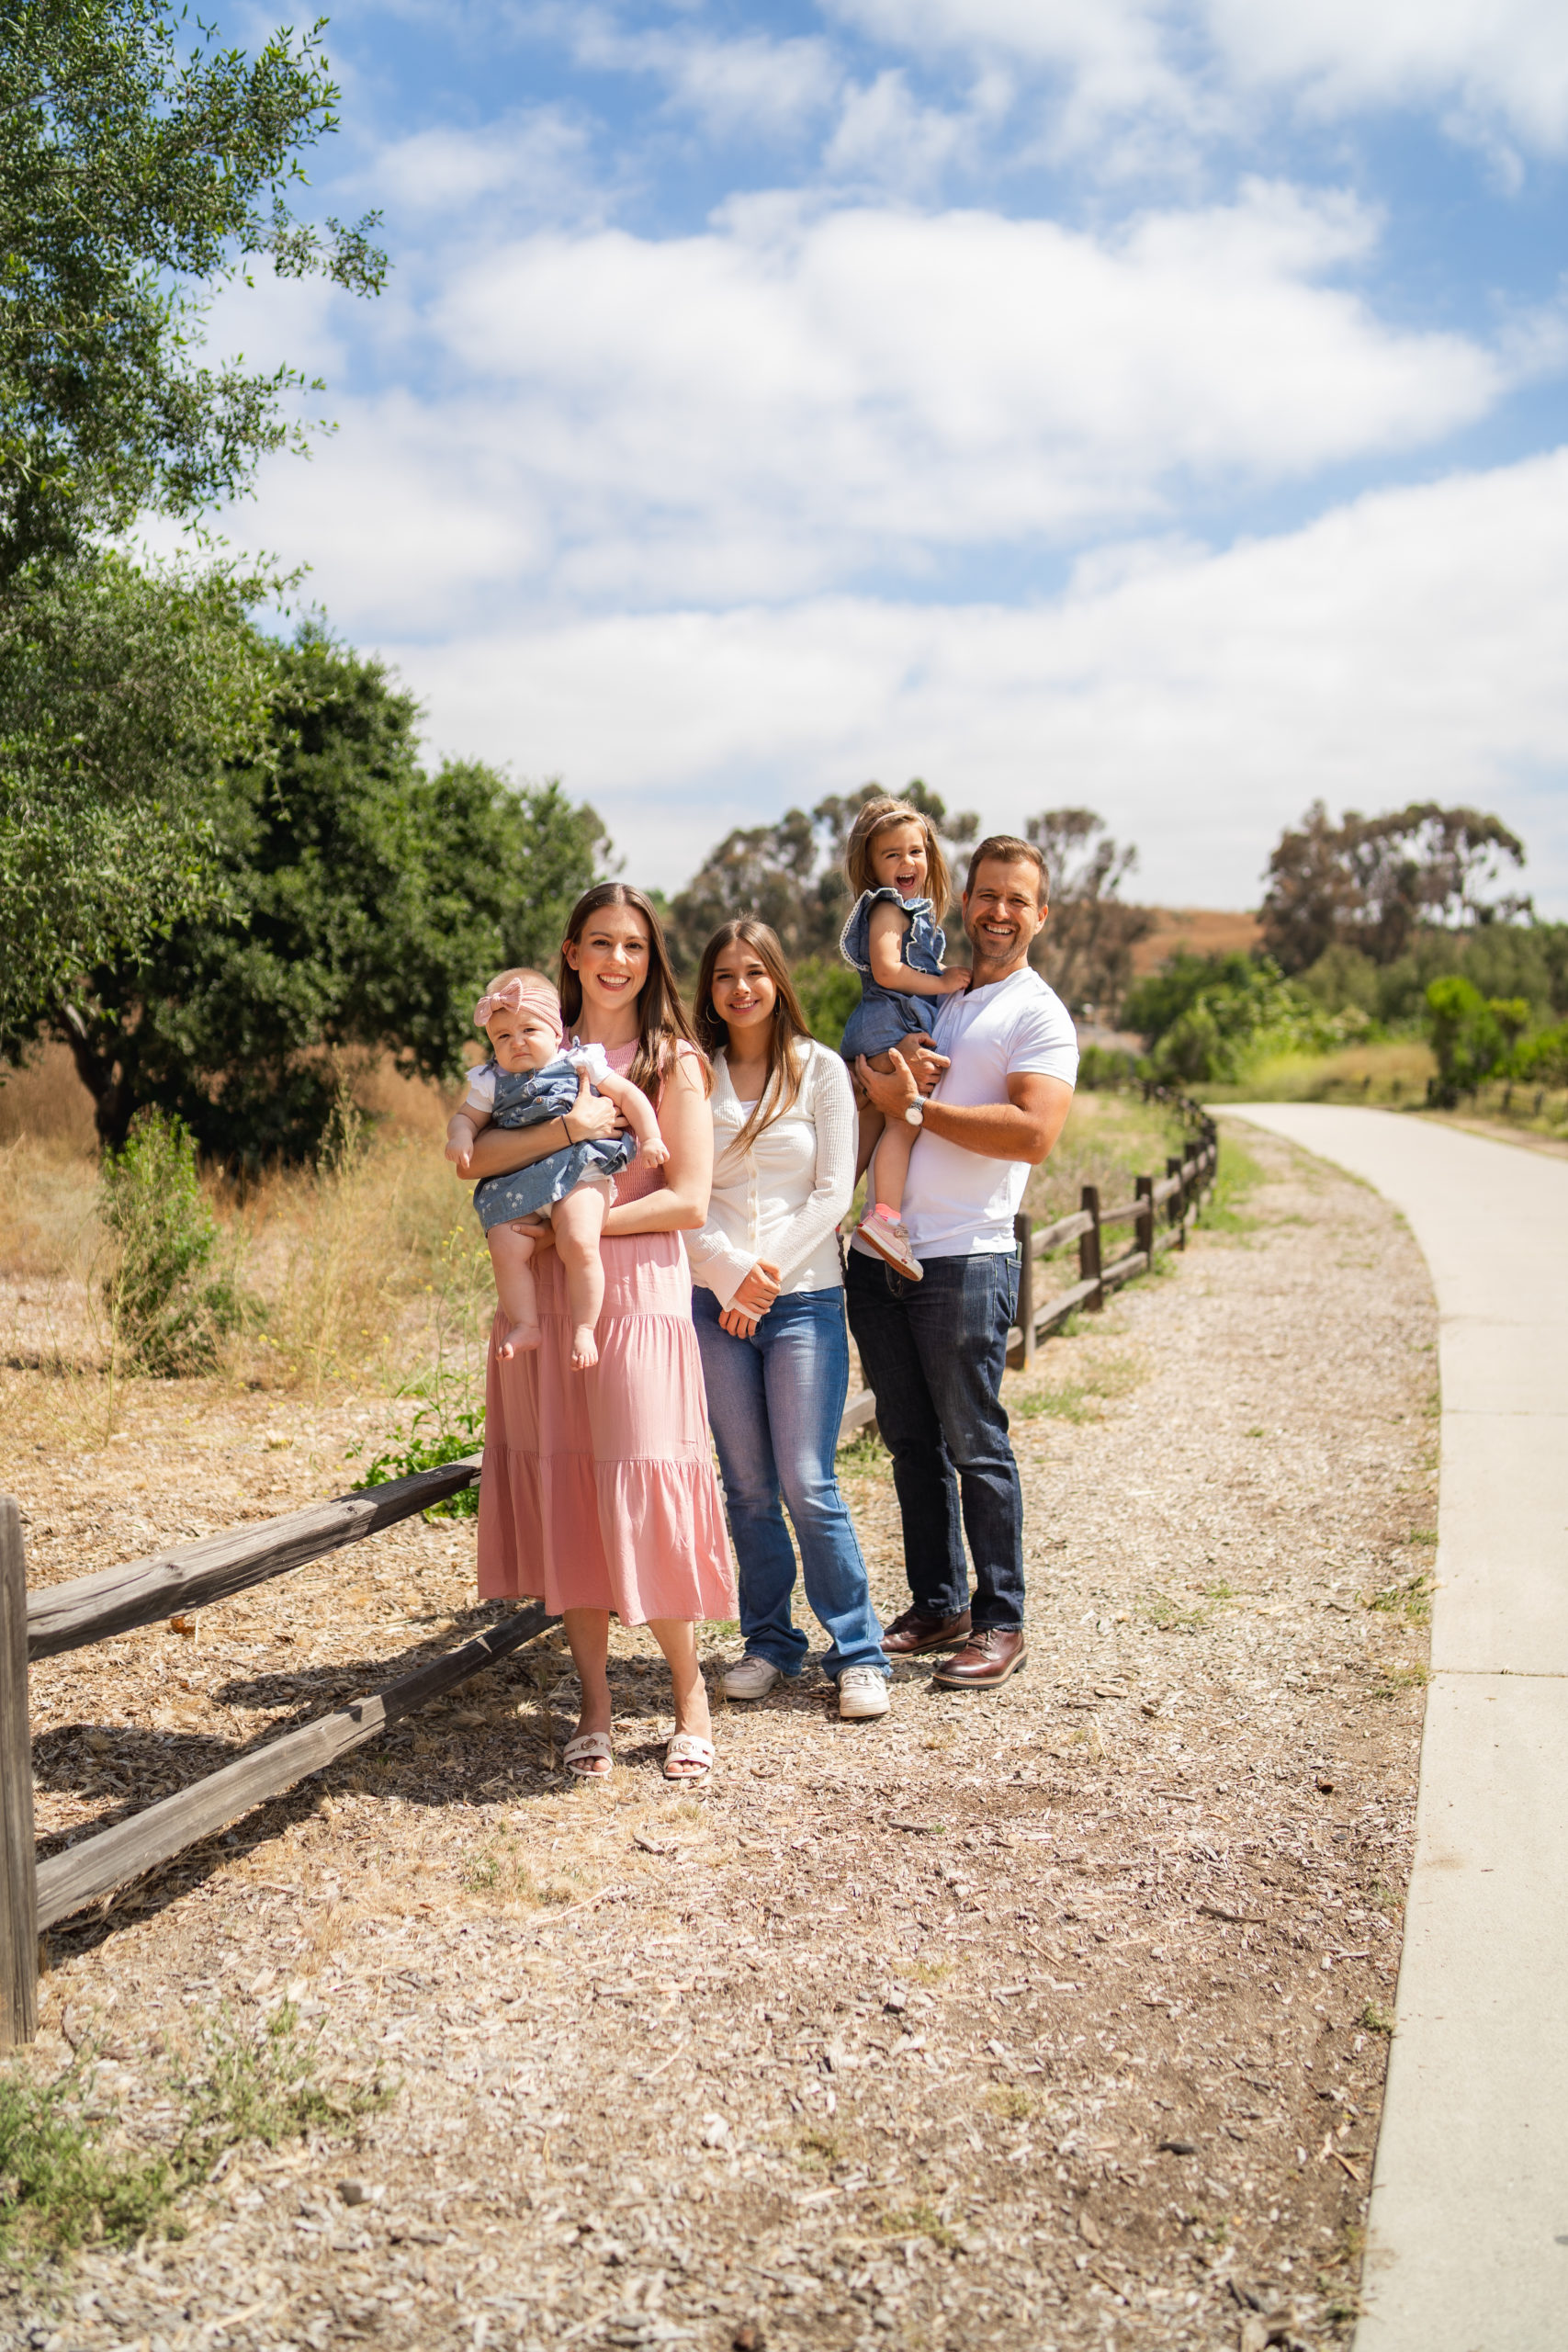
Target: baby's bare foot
(584,1348)
(519,1341)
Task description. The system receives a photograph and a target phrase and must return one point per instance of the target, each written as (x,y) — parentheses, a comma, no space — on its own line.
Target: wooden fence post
(1143,1225)
(1023,1234)
(1088,1248)
(18,1882)
(1176,1211)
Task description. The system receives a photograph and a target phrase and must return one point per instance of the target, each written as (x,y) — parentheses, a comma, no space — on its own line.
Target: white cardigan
(782,1195)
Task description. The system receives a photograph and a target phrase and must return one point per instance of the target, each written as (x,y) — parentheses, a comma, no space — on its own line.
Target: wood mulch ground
(1052,2018)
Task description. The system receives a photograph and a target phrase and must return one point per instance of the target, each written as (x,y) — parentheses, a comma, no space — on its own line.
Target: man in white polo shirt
(934,1350)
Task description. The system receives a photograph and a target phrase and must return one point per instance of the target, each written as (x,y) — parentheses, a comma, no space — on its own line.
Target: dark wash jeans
(934,1352)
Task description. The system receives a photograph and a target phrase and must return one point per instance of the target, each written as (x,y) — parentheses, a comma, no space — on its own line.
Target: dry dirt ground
(1054,2017)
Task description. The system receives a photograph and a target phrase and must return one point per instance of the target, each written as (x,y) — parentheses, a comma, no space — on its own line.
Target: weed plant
(70,2177)
(169,1307)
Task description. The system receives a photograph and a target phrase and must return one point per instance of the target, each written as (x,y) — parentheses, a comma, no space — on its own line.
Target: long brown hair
(662,1021)
(874,817)
(785,1031)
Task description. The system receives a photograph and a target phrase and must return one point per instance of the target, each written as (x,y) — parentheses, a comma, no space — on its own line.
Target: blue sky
(1154,407)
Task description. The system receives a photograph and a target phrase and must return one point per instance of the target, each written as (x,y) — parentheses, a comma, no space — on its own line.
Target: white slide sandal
(587,1744)
(686,1748)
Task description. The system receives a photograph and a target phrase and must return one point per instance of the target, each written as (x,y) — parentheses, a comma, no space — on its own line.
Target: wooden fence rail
(46,1624)
(34,1894)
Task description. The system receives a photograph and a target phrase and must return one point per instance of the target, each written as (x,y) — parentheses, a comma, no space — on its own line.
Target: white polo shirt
(957,1204)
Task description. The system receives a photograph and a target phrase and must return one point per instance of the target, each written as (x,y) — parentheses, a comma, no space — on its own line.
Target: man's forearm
(991,1130)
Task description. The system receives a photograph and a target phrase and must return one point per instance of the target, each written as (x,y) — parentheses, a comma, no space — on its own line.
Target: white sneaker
(890,1239)
(863,1692)
(752,1677)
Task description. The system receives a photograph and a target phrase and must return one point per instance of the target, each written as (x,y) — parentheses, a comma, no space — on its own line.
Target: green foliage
(1209,1016)
(167,1314)
(66,2179)
(365,905)
(132,182)
(1467,1036)
(1372,882)
(60,2185)
(1542,1060)
(262,2085)
(439,1432)
(1501,959)
(122,694)
(829,991)
(1105,1066)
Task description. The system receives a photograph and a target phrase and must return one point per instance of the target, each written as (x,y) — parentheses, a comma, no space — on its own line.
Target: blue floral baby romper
(526,1099)
(881,1017)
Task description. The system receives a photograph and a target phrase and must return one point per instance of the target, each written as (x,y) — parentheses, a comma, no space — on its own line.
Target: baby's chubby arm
(638,1112)
(885,953)
(462,1133)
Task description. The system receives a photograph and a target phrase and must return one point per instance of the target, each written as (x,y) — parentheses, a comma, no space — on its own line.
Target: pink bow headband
(510,997)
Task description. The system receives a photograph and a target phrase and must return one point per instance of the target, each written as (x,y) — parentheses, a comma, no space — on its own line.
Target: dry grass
(1110,1139)
(358,1272)
(1393,1074)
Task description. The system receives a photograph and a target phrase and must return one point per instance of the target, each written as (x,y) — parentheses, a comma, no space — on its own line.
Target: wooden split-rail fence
(35,1894)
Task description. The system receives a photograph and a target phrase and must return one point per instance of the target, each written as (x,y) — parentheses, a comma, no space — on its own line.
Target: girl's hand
(953,983)
(738,1325)
(656,1153)
(759,1290)
(461,1155)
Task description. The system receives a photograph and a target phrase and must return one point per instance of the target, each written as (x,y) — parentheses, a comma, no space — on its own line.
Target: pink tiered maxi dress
(598,1490)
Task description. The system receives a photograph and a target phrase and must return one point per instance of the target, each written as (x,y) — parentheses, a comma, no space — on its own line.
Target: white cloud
(535,158)
(1407,645)
(798,399)
(750,85)
(795,395)
(1480,64)
(1113,54)
(885,138)
(1492,58)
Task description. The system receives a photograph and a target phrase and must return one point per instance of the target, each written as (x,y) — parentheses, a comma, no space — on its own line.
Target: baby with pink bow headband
(531,1080)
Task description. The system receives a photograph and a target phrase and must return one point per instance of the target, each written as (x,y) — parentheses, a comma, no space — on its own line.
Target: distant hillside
(1205,931)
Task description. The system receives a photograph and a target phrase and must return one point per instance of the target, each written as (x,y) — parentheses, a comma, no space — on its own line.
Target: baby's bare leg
(579,1221)
(512,1256)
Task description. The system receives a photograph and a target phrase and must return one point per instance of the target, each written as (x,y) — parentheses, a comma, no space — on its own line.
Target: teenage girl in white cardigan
(768,1302)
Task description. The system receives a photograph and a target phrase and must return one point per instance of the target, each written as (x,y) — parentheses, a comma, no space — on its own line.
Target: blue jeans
(775,1403)
(934,1352)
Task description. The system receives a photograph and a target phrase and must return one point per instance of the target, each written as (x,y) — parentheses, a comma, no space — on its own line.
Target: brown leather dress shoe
(909,1636)
(986,1659)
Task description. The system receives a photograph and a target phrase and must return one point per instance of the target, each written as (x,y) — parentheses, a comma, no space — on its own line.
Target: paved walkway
(1467,2244)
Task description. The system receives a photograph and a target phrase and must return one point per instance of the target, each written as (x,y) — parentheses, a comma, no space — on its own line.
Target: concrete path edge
(1467,2237)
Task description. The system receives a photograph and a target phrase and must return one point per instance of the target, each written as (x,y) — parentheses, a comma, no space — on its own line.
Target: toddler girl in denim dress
(528,1082)
(894,941)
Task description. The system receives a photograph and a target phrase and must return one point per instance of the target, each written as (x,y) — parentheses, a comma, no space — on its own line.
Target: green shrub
(168,1310)
(1542,1060)
(1105,1066)
(829,991)
(1467,1036)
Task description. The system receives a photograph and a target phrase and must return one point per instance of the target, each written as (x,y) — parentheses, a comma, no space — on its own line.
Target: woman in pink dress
(598,1494)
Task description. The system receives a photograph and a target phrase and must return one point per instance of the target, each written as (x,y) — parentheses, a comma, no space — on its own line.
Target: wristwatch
(915,1116)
